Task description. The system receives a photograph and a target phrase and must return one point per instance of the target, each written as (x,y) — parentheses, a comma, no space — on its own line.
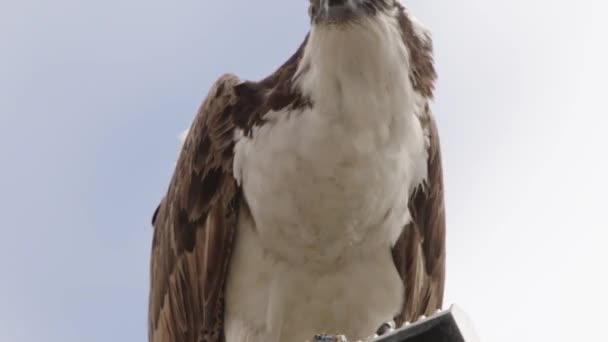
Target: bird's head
(340,12)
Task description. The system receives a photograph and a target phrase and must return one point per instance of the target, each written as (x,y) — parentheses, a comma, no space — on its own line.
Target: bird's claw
(329,338)
(385,327)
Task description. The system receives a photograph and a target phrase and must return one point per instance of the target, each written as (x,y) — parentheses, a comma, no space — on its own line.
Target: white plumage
(327,189)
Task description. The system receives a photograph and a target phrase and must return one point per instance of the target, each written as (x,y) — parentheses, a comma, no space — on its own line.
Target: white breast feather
(328,191)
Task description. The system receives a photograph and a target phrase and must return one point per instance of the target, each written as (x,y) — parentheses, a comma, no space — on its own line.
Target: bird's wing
(195,224)
(194,227)
(419,253)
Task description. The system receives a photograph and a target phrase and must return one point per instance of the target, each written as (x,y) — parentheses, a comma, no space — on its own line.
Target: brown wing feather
(194,228)
(195,224)
(419,254)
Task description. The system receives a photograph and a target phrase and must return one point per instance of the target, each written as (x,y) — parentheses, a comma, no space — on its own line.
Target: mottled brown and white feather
(195,223)
(419,253)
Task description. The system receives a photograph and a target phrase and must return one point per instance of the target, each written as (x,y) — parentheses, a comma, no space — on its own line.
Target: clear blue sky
(94,93)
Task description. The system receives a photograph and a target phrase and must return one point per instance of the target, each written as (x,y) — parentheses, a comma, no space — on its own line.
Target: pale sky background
(94,93)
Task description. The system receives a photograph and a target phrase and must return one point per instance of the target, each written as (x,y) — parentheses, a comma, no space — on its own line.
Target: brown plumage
(419,253)
(195,223)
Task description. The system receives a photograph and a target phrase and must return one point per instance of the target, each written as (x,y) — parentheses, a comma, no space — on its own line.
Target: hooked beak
(336,11)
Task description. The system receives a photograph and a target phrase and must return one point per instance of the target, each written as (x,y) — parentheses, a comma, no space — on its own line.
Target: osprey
(310,201)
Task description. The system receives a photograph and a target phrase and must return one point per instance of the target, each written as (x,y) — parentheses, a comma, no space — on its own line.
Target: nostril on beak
(331,3)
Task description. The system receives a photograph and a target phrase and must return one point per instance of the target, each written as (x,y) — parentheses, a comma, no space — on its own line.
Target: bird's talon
(385,327)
